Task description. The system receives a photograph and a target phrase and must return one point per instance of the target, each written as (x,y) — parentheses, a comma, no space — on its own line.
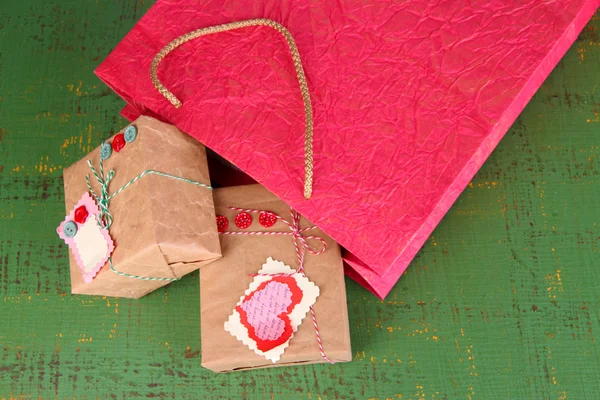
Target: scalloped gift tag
(271,310)
(91,245)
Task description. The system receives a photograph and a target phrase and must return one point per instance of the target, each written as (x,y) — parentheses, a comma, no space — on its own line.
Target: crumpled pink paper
(409,99)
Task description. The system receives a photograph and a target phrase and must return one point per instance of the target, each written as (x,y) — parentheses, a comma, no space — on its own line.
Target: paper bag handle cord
(308,135)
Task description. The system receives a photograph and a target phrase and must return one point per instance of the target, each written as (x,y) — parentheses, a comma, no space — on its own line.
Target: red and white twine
(301,245)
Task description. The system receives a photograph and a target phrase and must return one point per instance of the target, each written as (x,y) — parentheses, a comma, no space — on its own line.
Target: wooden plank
(502,302)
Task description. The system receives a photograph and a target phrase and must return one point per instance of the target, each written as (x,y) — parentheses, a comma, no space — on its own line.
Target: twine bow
(301,245)
(105,218)
(300,240)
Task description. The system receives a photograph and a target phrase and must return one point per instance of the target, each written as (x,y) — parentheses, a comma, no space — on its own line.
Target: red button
(81,214)
(267,219)
(222,223)
(243,220)
(118,142)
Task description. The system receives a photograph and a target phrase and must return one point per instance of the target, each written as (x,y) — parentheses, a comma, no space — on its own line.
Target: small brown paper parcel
(162,228)
(225,281)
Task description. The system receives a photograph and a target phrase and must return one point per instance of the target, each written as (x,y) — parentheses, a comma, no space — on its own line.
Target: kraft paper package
(224,282)
(163,223)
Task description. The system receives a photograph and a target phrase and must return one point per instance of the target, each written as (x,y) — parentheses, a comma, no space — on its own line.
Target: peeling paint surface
(502,302)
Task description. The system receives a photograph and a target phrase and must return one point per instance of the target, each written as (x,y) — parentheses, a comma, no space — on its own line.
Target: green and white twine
(105,218)
(142,278)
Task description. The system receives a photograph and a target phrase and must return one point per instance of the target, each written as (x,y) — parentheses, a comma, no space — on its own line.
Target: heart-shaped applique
(272,308)
(265,311)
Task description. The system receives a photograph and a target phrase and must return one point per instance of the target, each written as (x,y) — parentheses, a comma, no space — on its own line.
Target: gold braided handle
(308,135)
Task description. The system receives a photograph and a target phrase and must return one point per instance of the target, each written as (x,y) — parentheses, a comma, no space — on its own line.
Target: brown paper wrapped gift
(162,227)
(223,283)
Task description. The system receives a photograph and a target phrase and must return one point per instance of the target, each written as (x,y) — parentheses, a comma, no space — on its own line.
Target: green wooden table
(502,302)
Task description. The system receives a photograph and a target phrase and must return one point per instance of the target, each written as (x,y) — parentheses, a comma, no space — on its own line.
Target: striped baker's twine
(105,218)
(149,172)
(142,278)
(301,246)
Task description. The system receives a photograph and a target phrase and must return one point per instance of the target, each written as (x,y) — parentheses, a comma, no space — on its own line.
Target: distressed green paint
(502,302)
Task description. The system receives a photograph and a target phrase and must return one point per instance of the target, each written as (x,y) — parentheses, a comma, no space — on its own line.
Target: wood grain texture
(502,302)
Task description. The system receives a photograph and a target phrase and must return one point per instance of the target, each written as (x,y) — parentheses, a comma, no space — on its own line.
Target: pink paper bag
(409,99)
